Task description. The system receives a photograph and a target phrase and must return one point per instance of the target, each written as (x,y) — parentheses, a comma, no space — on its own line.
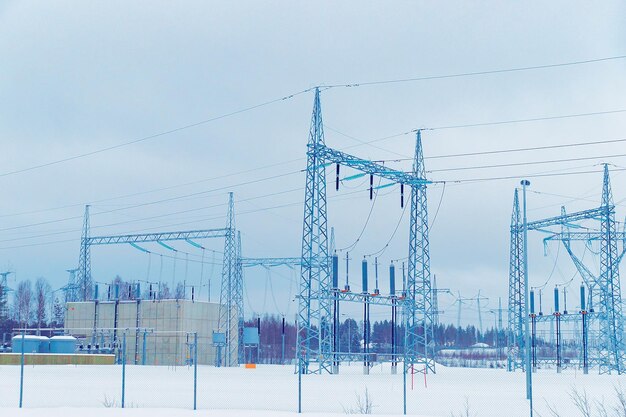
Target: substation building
(156,332)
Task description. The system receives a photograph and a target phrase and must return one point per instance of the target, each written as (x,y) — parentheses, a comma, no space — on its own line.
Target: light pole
(529,378)
(495,335)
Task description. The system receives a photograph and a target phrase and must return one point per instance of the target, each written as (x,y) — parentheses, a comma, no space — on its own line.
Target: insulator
(371,186)
(335,271)
(532,302)
(95,294)
(192,293)
(258,325)
(337,179)
(401,195)
(392,279)
(556,300)
(582,297)
(364,272)
(150,292)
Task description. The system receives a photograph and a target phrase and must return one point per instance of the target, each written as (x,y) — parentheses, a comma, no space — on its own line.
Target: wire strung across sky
(474,73)
(325,87)
(456,181)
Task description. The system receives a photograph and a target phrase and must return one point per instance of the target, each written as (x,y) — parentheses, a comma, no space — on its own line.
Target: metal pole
(282,352)
(299,383)
(22,370)
(404,382)
(195,370)
(529,378)
(143,349)
(123,367)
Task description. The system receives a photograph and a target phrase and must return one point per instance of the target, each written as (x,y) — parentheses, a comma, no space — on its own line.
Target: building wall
(167,324)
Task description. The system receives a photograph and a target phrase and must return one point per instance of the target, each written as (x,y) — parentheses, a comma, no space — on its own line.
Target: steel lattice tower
(84,281)
(606,286)
(71,293)
(314,310)
(516,291)
(231,301)
(420,314)
(611,345)
(237,296)
(4,292)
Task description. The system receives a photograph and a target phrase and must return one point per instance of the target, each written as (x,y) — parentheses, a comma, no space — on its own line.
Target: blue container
(32,344)
(63,344)
(44,344)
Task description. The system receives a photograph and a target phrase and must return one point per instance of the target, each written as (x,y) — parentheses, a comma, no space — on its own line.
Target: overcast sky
(77,77)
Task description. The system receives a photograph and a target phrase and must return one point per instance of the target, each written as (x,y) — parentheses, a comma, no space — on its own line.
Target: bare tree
(581,400)
(23,303)
(58,312)
(179,292)
(42,292)
(164,293)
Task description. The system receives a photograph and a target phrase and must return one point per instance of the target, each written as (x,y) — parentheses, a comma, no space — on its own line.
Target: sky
(80,77)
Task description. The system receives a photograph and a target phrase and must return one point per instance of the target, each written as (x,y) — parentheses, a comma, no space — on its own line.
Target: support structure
(84,281)
(231,313)
(4,295)
(517,291)
(231,296)
(316,295)
(604,289)
(71,288)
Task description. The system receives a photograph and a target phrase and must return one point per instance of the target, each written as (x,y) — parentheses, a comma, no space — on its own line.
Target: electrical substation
(141,323)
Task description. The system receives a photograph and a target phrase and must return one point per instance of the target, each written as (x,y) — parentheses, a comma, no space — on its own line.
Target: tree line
(350,338)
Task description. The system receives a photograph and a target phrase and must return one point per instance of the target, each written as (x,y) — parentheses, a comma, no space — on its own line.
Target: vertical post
(557,315)
(282,351)
(529,378)
(583,313)
(123,367)
(195,370)
(300,365)
(533,331)
(335,290)
(366,367)
(392,292)
(22,369)
(404,382)
(143,349)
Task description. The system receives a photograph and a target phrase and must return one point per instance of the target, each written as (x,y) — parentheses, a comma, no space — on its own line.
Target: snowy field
(272,391)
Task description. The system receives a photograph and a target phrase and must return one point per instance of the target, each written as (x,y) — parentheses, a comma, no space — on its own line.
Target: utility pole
(480,317)
(529,380)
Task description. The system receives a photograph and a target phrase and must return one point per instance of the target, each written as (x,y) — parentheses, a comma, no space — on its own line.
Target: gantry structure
(604,288)
(316,297)
(231,314)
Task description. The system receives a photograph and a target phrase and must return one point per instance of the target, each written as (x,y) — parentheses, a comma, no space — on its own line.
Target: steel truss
(604,287)
(315,313)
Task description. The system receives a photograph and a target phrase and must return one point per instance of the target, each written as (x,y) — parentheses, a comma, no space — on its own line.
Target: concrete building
(157,332)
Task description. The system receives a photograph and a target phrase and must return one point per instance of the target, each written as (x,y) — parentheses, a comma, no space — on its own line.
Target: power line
(508,177)
(475,73)
(534,148)
(157,201)
(149,218)
(552,161)
(490,123)
(156,135)
(533,119)
(361,143)
(290,96)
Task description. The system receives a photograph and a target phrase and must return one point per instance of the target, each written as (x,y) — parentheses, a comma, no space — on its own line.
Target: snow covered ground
(272,391)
